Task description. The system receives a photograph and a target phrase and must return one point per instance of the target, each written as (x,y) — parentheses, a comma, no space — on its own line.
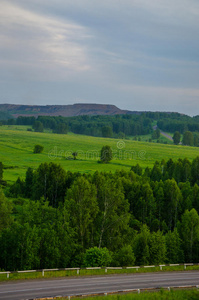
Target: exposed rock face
(62,110)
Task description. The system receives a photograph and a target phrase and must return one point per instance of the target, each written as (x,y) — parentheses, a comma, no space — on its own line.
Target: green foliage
(17,144)
(188,138)
(4,115)
(61,128)
(1,171)
(190,234)
(97,257)
(38,126)
(5,212)
(49,181)
(158,295)
(106,154)
(195,171)
(74,154)
(174,247)
(156,134)
(107,131)
(157,248)
(29,182)
(124,257)
(112,220)
(146,219)
(38,149)
(41,238)
(137,169)
(176,137)
(81,203)
(141,247)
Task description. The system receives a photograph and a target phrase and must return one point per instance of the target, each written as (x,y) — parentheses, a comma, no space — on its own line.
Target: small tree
(74,154)
(95,257)
(106,154)
(38,149)
(156,134)
(176,138)
(188,138)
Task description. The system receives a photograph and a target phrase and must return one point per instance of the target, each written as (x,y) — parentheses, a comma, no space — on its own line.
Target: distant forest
(146,216)
(116,126)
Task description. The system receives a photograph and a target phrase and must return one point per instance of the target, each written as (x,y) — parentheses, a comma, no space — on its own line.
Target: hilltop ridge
(63,110)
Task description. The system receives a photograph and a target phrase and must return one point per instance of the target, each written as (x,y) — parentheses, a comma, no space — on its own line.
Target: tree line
(55,218)
(117,126)
(106,126)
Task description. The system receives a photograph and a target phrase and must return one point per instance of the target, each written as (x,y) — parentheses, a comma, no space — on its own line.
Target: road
(163,133)
(96,284)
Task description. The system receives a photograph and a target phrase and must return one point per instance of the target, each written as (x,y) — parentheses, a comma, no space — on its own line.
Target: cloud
(143,52)
(40,42)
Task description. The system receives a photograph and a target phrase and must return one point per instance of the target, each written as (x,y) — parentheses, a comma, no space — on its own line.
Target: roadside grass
(89,272)
(16,152)
(159,295)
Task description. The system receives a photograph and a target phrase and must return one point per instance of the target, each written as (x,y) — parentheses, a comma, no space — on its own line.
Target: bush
(97,257)
(124,257)
(38,149)
(106,154)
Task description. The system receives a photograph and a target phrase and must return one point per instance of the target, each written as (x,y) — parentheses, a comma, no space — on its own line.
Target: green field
(16,152)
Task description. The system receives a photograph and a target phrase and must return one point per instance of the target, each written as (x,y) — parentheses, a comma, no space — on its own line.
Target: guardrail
(100,268)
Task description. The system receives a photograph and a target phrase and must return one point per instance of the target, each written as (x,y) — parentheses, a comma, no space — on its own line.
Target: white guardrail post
(98,268)
(161,267)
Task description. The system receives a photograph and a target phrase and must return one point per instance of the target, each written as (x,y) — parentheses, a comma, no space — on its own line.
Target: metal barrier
(100,268)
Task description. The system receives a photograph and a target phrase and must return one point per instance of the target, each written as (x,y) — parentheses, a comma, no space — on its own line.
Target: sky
(136,54)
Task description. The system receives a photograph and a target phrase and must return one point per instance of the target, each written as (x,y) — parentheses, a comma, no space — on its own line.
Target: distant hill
(63,110)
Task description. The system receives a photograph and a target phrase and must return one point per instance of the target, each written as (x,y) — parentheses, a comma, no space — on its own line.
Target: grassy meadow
(16,152)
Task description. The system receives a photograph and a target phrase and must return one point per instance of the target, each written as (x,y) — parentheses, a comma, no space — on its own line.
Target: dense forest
(55,218)
(116,126)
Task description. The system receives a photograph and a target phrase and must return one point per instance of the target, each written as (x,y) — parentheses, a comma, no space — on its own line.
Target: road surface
(163,133)
(31,289)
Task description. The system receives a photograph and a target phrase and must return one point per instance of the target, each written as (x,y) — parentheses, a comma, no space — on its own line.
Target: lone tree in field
(106,154)
(38,149)
(176,137)
(74,154)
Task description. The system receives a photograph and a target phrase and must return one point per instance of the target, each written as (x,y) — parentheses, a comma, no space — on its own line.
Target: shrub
(106,154)
(124,257)
(38,149)
(97,257)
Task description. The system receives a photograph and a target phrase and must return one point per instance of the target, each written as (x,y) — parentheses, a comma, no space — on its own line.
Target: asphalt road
(97,284)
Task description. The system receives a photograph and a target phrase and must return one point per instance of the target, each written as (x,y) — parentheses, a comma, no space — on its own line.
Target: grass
(16,152)
(162,139)
(159,295)
(85,272)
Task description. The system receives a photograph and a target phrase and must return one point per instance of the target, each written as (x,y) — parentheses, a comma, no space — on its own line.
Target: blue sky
(136,54)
